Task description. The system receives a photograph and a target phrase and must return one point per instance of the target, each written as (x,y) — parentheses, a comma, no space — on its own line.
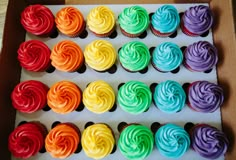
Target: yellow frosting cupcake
(100,55)
(98,97)
(101,21)
(97,141)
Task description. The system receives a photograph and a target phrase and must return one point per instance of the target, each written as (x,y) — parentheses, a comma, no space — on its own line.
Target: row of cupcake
(135,141)
(133,21)
(133,97)
(101,55)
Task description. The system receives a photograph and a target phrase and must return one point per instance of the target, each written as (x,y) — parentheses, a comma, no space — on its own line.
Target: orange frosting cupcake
(64,97)
(62,140)
(70,21)
(67,56)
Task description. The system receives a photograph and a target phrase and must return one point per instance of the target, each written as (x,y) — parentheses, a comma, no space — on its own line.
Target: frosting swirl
(134,56)
(34,55)
(100,55)
(101,20)
(167,56)
(198,19)
(165,19)
(201,56)
(97,141)
(64,97)
(172,141)
(27,140)
(134,97)
(37,19)
(169,96)
(62,140)
(208,141)
(99,97)
(29,96)
(70,21)
(205,96)
(67,56)
(136,142)
(134,19)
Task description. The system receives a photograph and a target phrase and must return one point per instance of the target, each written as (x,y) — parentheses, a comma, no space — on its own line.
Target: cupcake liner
(186,31)
(104,35)
(158,33)
(129,34)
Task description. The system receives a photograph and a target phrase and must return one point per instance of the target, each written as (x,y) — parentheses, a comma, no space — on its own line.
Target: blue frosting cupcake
(165,21)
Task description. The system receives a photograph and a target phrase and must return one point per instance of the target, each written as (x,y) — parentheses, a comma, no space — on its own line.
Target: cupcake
(169,97)
(70,21)
(208,141)
(167,57)
(200,56)
(197,20)
(165,21)
(133,21)
(67,56)
(100,55)
(29,96)
(38,20)
(64,97)
(101,21)
(136,142)
(134,56)
(34,55)
(63,140)
(172,141)
(134,97)
(98,141)
(204,96)
(99,97)
(27,139)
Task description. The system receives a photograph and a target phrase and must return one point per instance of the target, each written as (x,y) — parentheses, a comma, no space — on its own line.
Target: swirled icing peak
(201,56)
(134,97)
(100,55)
(97,141)
(37,19)
(101,20)
(70,21)
(205,96)
(136,142)
(134,56)
(134,19)
(98,97)
(29,96)
(64,97)
(67,56)
(172,141)
(165,19)
(34,55)
(62,140)
(208,141)
(198,19)
(167,56)
(27,139)
(169,96)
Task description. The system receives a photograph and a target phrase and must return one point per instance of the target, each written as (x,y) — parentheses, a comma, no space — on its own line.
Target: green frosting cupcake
(134,56)
(172,141)
(169,96)
(134,20)
(134,97)
(136,142)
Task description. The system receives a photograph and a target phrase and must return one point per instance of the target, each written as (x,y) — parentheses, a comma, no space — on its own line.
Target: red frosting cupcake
(29,96)
(27,139)
(38,20)
(34,55)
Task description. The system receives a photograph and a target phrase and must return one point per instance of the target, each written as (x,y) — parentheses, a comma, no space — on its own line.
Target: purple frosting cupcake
(208,141)
(204,96)
(197,20)
(200,56)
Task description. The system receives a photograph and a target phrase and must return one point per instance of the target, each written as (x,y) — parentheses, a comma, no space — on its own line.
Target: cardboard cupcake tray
(121,76)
